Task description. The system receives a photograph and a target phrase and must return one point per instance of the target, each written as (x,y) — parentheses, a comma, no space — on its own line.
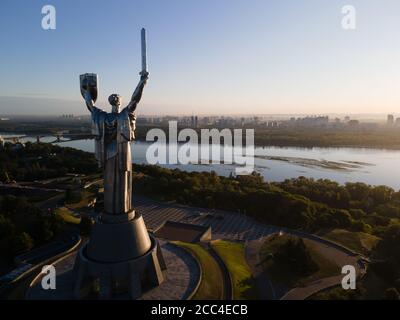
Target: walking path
(341,258)
(272,291)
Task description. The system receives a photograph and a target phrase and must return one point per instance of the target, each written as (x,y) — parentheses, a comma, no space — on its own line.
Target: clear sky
(204,56)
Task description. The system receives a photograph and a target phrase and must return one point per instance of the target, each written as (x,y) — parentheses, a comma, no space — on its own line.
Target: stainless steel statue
(121,256)
(113,134)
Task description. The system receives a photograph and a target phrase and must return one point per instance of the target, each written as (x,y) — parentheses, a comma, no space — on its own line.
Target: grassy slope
(233,255)
(87,196)
(357,241)
(211,286)
(67,216)
(282,274)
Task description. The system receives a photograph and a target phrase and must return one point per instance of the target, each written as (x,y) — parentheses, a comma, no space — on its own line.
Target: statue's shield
(89,82)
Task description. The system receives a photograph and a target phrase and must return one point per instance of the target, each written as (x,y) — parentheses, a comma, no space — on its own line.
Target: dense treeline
(23,226)
(367,206)
(387,266)
(43,126)
(41,161)
(379,137)
(300,203)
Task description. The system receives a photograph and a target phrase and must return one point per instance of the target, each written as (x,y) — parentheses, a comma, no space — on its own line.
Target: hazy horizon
(204,58)
(33,107)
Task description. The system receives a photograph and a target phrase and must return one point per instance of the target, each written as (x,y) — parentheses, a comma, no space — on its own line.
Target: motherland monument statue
(120,257)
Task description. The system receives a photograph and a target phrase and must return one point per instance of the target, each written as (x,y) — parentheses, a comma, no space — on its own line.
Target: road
(341,258)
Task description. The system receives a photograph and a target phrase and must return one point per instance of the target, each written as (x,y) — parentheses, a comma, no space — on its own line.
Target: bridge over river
(58,137)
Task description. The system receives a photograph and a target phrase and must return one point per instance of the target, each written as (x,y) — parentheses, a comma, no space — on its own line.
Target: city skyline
(259,57)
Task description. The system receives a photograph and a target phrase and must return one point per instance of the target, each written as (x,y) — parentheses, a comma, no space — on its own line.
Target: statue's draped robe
(113,133)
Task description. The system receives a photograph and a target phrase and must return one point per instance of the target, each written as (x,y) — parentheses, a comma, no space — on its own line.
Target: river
(372,166)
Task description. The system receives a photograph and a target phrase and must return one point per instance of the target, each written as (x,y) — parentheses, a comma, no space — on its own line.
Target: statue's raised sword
(144,61)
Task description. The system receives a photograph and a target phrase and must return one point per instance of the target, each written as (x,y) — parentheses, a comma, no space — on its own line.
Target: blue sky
(204,57)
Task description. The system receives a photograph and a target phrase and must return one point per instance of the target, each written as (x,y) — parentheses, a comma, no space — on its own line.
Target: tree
(7,231)
(23,225)
(342,217)
(21,243)
(392,294)
(381,194)
(358,191)
(12,242)
(389,247)
(294,254)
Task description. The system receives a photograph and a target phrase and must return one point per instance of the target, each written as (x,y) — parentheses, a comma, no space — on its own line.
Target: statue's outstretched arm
(137,95)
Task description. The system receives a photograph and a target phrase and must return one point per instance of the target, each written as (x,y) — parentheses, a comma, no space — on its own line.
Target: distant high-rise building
(194,120)
(390,119)
(397,122)
(353,123)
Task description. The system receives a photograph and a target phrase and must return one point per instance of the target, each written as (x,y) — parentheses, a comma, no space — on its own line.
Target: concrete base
(120,257)
(181,278)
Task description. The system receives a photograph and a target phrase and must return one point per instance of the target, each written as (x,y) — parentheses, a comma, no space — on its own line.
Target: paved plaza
(224,225)
(181,278)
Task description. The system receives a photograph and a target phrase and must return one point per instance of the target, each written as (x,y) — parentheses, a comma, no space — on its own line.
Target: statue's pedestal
(120,257)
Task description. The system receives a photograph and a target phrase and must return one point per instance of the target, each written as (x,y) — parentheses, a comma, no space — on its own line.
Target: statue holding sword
(120,256)
(113,133)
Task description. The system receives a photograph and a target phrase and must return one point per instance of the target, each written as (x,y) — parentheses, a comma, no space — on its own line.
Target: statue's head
(115,101)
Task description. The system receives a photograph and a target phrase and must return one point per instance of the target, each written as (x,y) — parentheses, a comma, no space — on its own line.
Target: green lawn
(233,255)
(282,274)
(67,216)
(358,241)
(211,286)
(87,196)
